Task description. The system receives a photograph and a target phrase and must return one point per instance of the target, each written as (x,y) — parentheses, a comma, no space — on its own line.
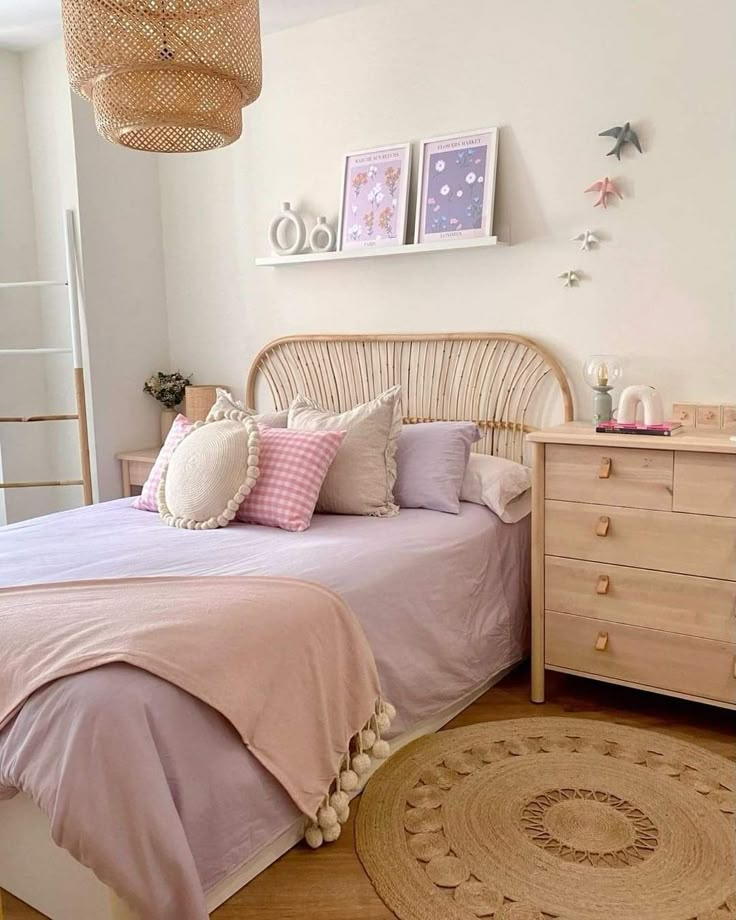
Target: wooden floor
(329,884)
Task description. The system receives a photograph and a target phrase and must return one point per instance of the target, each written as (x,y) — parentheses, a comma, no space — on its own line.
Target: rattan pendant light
(169,76)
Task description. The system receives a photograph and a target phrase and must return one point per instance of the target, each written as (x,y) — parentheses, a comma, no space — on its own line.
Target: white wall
(115,195)
(61,162)
(661,289)
(124,291)
(54,180)
(22,386)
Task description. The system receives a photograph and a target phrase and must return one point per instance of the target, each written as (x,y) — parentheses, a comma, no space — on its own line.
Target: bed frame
(506,384)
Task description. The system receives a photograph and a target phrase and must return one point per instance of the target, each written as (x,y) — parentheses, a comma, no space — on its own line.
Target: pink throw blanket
(285,661)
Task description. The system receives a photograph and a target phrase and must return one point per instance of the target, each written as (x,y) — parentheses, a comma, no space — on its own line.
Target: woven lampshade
(198,401)
(169,76)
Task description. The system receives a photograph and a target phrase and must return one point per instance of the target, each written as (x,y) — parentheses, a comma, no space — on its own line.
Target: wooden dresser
(634,561)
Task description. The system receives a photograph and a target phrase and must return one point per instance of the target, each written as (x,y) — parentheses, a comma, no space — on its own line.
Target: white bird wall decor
(586,238)
(570,278)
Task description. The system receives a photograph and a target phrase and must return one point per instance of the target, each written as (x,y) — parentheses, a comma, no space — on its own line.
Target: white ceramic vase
(322,238)
(292,219)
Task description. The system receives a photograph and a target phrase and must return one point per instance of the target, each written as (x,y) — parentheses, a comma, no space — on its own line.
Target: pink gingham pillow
(148,499)
(293,467)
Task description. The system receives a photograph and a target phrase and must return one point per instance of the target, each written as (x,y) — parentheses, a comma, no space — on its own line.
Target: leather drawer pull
(602,586)
(604,470)
(734,666)
(602,526)
(601,642)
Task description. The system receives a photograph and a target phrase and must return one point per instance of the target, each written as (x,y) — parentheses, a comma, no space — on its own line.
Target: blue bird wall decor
(624,134)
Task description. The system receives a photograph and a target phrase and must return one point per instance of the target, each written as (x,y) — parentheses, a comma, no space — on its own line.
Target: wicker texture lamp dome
(169,76)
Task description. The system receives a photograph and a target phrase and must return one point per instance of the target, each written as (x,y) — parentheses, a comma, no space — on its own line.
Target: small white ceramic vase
(289,217)
(322,238)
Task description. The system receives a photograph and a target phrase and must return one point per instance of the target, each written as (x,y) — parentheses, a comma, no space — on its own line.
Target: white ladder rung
(35,351)
(37,418)
(41,484)
(22,284)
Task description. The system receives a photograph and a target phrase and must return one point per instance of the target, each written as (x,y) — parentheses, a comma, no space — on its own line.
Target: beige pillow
(362,476)
(210,473)
(225,402)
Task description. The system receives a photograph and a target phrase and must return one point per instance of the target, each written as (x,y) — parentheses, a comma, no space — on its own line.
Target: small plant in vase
(168,389)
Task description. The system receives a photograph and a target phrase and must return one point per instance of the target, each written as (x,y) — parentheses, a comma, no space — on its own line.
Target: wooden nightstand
(634,561)
(135,466)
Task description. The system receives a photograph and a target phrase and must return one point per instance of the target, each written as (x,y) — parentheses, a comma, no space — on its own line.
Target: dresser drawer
(705,483)
(632,477)
(691,544)
(661,660)
(703,607)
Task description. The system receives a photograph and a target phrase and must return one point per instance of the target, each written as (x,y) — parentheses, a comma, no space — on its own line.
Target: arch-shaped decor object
(505,383)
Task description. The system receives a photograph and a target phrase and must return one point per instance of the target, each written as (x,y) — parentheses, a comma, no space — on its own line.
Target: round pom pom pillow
(211,472)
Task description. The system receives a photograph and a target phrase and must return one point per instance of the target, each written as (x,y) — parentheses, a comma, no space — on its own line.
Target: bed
(443,600)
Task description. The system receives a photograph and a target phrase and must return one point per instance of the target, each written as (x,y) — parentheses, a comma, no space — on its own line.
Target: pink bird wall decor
(604,187)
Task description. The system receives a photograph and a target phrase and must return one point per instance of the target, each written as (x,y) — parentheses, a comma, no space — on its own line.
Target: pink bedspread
(252,647)
(443,600)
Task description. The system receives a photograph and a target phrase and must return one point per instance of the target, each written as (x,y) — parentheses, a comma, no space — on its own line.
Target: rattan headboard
(505,383)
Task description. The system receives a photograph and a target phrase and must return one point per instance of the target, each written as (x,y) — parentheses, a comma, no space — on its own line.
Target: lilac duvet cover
(443,600)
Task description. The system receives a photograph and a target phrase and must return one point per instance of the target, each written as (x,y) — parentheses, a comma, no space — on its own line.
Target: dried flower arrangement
(168,389)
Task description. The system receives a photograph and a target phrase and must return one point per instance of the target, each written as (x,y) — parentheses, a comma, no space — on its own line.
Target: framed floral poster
(375,195)
(457,178)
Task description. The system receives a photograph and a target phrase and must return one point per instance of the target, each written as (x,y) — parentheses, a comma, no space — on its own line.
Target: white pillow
(225,402)
(517,508)
(501,485)
(211,471)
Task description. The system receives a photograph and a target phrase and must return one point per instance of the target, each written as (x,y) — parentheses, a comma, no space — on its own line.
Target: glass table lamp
(602,373)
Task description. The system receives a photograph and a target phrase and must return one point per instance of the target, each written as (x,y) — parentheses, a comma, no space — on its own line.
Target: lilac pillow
(431,460)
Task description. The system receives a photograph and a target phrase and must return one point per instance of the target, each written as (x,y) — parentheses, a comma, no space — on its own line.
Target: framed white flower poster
(457,178)
(375,196)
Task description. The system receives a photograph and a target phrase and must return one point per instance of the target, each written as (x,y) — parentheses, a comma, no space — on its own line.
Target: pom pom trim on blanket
(366,748)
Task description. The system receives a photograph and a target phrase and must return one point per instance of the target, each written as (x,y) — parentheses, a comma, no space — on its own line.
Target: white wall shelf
(375,252)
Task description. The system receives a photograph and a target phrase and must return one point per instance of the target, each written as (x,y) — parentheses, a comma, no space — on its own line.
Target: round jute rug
(571,819)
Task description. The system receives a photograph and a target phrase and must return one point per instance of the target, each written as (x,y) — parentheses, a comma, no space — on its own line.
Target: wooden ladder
(75,349)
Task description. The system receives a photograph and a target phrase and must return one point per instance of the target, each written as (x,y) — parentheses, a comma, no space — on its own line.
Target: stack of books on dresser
(665,430)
